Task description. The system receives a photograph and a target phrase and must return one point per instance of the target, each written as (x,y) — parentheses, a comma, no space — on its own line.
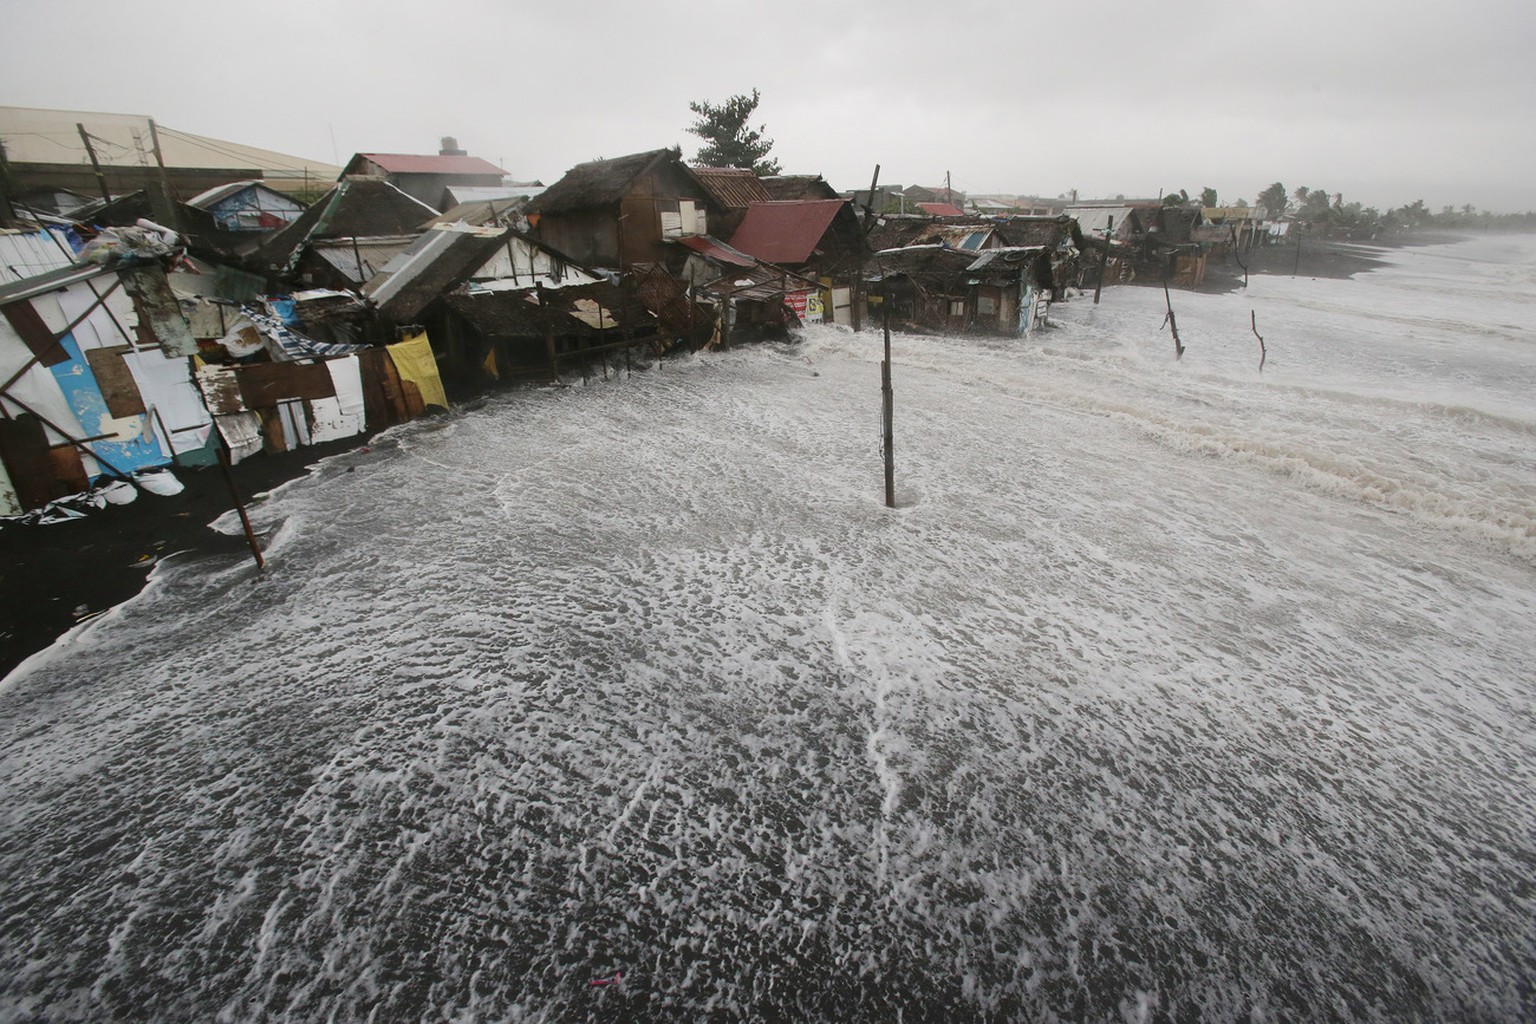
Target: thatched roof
(1047,231)
(601,182)
(799,186)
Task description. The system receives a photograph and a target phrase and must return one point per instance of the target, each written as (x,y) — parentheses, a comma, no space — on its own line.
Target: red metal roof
(707,246)
(407,163)
(941,210)
(787,231)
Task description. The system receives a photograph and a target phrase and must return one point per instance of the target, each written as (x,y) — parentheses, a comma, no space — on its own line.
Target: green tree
(1273,199)
(728,140)
(1208,196)
(1179,198)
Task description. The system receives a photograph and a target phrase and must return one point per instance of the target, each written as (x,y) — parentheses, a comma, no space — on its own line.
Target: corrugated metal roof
(410,163)
(735,188)
(50,281)
(787,231)
(204,200)
(25,254)
(715,249)
(374,252)
(941,210)
(440,259)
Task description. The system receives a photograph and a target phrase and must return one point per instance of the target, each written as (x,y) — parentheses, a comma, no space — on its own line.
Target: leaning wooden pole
(245,520)
(887,400)
(856,293)
(1253,320)
(1172,322)
(1109,230)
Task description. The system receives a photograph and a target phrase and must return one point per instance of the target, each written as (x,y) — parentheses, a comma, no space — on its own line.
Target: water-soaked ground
(1169,692)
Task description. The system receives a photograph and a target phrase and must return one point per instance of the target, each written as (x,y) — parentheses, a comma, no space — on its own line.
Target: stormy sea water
(1170,691)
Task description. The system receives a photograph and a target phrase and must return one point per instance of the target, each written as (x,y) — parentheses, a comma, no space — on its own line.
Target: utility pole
(887,399)
(170,216)
(949,193)
(869,223)
(90,151)
(1109,230)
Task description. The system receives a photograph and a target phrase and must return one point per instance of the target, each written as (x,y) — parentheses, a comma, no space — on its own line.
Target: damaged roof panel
(715,249)
(439,260)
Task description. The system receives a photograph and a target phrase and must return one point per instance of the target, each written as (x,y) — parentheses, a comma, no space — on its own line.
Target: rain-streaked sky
(1386,102)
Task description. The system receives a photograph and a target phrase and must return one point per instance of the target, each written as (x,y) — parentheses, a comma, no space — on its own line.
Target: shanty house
(895,231)
(96,381)
(1059,235)
(734,189)
(815,238)
(247,206)
(937,288)
(620,212)
(233,218)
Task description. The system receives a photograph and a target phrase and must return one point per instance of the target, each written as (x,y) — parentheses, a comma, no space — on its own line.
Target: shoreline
(54,577)
(1333,259)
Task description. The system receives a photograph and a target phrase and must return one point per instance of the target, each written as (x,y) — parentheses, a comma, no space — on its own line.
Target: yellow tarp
(415,363)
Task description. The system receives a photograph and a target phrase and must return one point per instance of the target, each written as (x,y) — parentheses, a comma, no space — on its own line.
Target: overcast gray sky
(1385,101)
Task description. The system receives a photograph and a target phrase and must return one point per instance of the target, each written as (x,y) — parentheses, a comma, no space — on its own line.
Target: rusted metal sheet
(158,306)
(221,390)
(115,381)
(29,325)
(266,384)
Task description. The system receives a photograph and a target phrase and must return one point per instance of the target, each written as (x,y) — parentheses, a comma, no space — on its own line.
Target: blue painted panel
(83,394)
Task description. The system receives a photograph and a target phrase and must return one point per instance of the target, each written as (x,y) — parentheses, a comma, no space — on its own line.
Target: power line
(208,144)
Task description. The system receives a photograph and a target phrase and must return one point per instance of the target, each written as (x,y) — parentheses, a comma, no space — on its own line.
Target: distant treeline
(1326,213)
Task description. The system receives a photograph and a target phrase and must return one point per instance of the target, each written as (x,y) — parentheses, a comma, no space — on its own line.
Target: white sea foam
(1171,690)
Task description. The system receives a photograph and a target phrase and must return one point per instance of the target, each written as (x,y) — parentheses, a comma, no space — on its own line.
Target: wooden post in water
(1253,320)
(887,400)
(1172,322)
(549,334)
(245,520)
(1109,229)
